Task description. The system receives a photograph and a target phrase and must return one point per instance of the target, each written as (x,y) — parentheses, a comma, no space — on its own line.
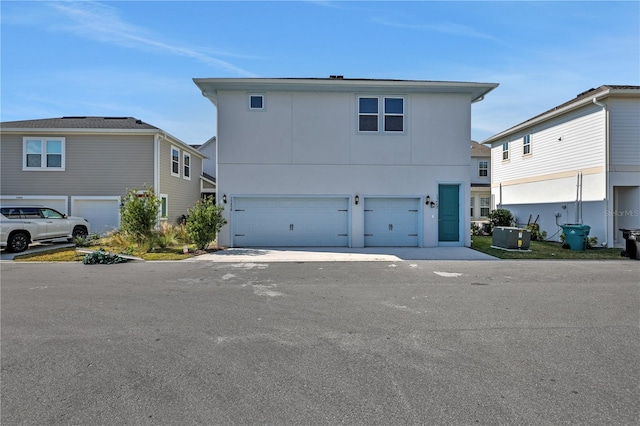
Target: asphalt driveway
(402,342)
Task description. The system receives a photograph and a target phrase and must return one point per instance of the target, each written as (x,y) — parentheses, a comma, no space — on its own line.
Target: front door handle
(390,227)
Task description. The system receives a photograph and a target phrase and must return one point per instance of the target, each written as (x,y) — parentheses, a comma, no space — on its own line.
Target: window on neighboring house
(483,168)
(175,161)
(256,102)
(485,203)
(526,145)
(368,114)
(186,163)
(505,151)
(43,153)
(164,209)
(393,114)
(471,204)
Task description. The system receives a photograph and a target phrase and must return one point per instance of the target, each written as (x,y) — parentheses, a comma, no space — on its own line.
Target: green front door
(449,213)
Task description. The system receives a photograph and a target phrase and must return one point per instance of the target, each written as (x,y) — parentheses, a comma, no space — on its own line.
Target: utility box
(511,238)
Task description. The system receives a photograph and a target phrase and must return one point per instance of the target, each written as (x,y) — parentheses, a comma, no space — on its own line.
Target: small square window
(256,102)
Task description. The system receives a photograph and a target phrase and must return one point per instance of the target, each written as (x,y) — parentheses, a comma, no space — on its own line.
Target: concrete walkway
(341,254)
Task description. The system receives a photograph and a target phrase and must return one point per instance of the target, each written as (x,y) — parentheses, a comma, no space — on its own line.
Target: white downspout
(609,232)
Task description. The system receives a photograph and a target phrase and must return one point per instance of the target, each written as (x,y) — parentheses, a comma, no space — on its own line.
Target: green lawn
(543,250)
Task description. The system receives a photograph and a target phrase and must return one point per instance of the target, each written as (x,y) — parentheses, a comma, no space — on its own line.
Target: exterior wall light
(224,198)
(428,200)
(357,200)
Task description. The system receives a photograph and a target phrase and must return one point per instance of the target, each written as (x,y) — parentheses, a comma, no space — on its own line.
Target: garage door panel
(391,222)
(103,215)
(290,222)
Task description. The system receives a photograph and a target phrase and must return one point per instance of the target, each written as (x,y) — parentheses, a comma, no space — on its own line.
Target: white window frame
(526,145)
(186,168)
(371,114)
(472,203)
(393,114)
(172,161)
(381,114)
(485,206)
(505,151)
(256,95)
(43,154)
(484,169)
(164,197)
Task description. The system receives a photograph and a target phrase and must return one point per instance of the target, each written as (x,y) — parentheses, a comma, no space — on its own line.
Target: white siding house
(588,150)
(343,162)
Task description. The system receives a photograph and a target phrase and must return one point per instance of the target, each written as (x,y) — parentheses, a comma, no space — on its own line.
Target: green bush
(500,217)
(102,257)
(204,222)
(139,214)
(536,234)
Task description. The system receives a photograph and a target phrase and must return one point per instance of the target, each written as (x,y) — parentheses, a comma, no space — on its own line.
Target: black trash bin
(632,246)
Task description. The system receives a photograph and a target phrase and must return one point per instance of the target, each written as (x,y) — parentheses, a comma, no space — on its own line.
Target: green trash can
(576,236)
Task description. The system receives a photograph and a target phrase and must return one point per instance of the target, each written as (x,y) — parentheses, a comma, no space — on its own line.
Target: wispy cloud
(103,23)
(445,28)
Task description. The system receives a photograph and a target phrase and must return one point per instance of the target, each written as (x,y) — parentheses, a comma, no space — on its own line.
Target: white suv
(21,225)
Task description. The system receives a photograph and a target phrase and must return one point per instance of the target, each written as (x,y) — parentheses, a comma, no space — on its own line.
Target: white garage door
(290,222)
(103,214)
(391,222)
(55,202)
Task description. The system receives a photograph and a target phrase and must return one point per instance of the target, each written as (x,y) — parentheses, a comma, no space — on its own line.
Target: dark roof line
(80,122)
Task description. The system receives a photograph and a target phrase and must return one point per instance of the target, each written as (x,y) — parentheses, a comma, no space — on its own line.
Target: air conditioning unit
(511,238)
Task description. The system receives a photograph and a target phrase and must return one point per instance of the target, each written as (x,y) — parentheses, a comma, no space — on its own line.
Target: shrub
(165,235)
(500,217)
(139,214)
(536,234)
(204,222)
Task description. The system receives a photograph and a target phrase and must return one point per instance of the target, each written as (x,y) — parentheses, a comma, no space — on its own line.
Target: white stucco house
(576,163)
(343,162)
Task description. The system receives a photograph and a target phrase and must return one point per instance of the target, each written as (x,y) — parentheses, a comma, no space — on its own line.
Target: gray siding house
(82,166)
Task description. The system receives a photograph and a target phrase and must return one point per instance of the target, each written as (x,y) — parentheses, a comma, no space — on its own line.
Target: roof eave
(210,86)
(551,114)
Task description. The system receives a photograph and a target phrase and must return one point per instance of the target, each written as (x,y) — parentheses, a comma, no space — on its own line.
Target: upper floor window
(256,102)
(505,151)
(186,165)
(175,161)
(43,154)
(483,168)
(393,113)
(526,145)
(368,114)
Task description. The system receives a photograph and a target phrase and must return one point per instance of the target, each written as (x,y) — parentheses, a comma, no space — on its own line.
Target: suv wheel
(18,242)
(79,232)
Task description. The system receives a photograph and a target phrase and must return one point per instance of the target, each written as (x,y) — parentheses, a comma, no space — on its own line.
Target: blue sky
(124,58)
